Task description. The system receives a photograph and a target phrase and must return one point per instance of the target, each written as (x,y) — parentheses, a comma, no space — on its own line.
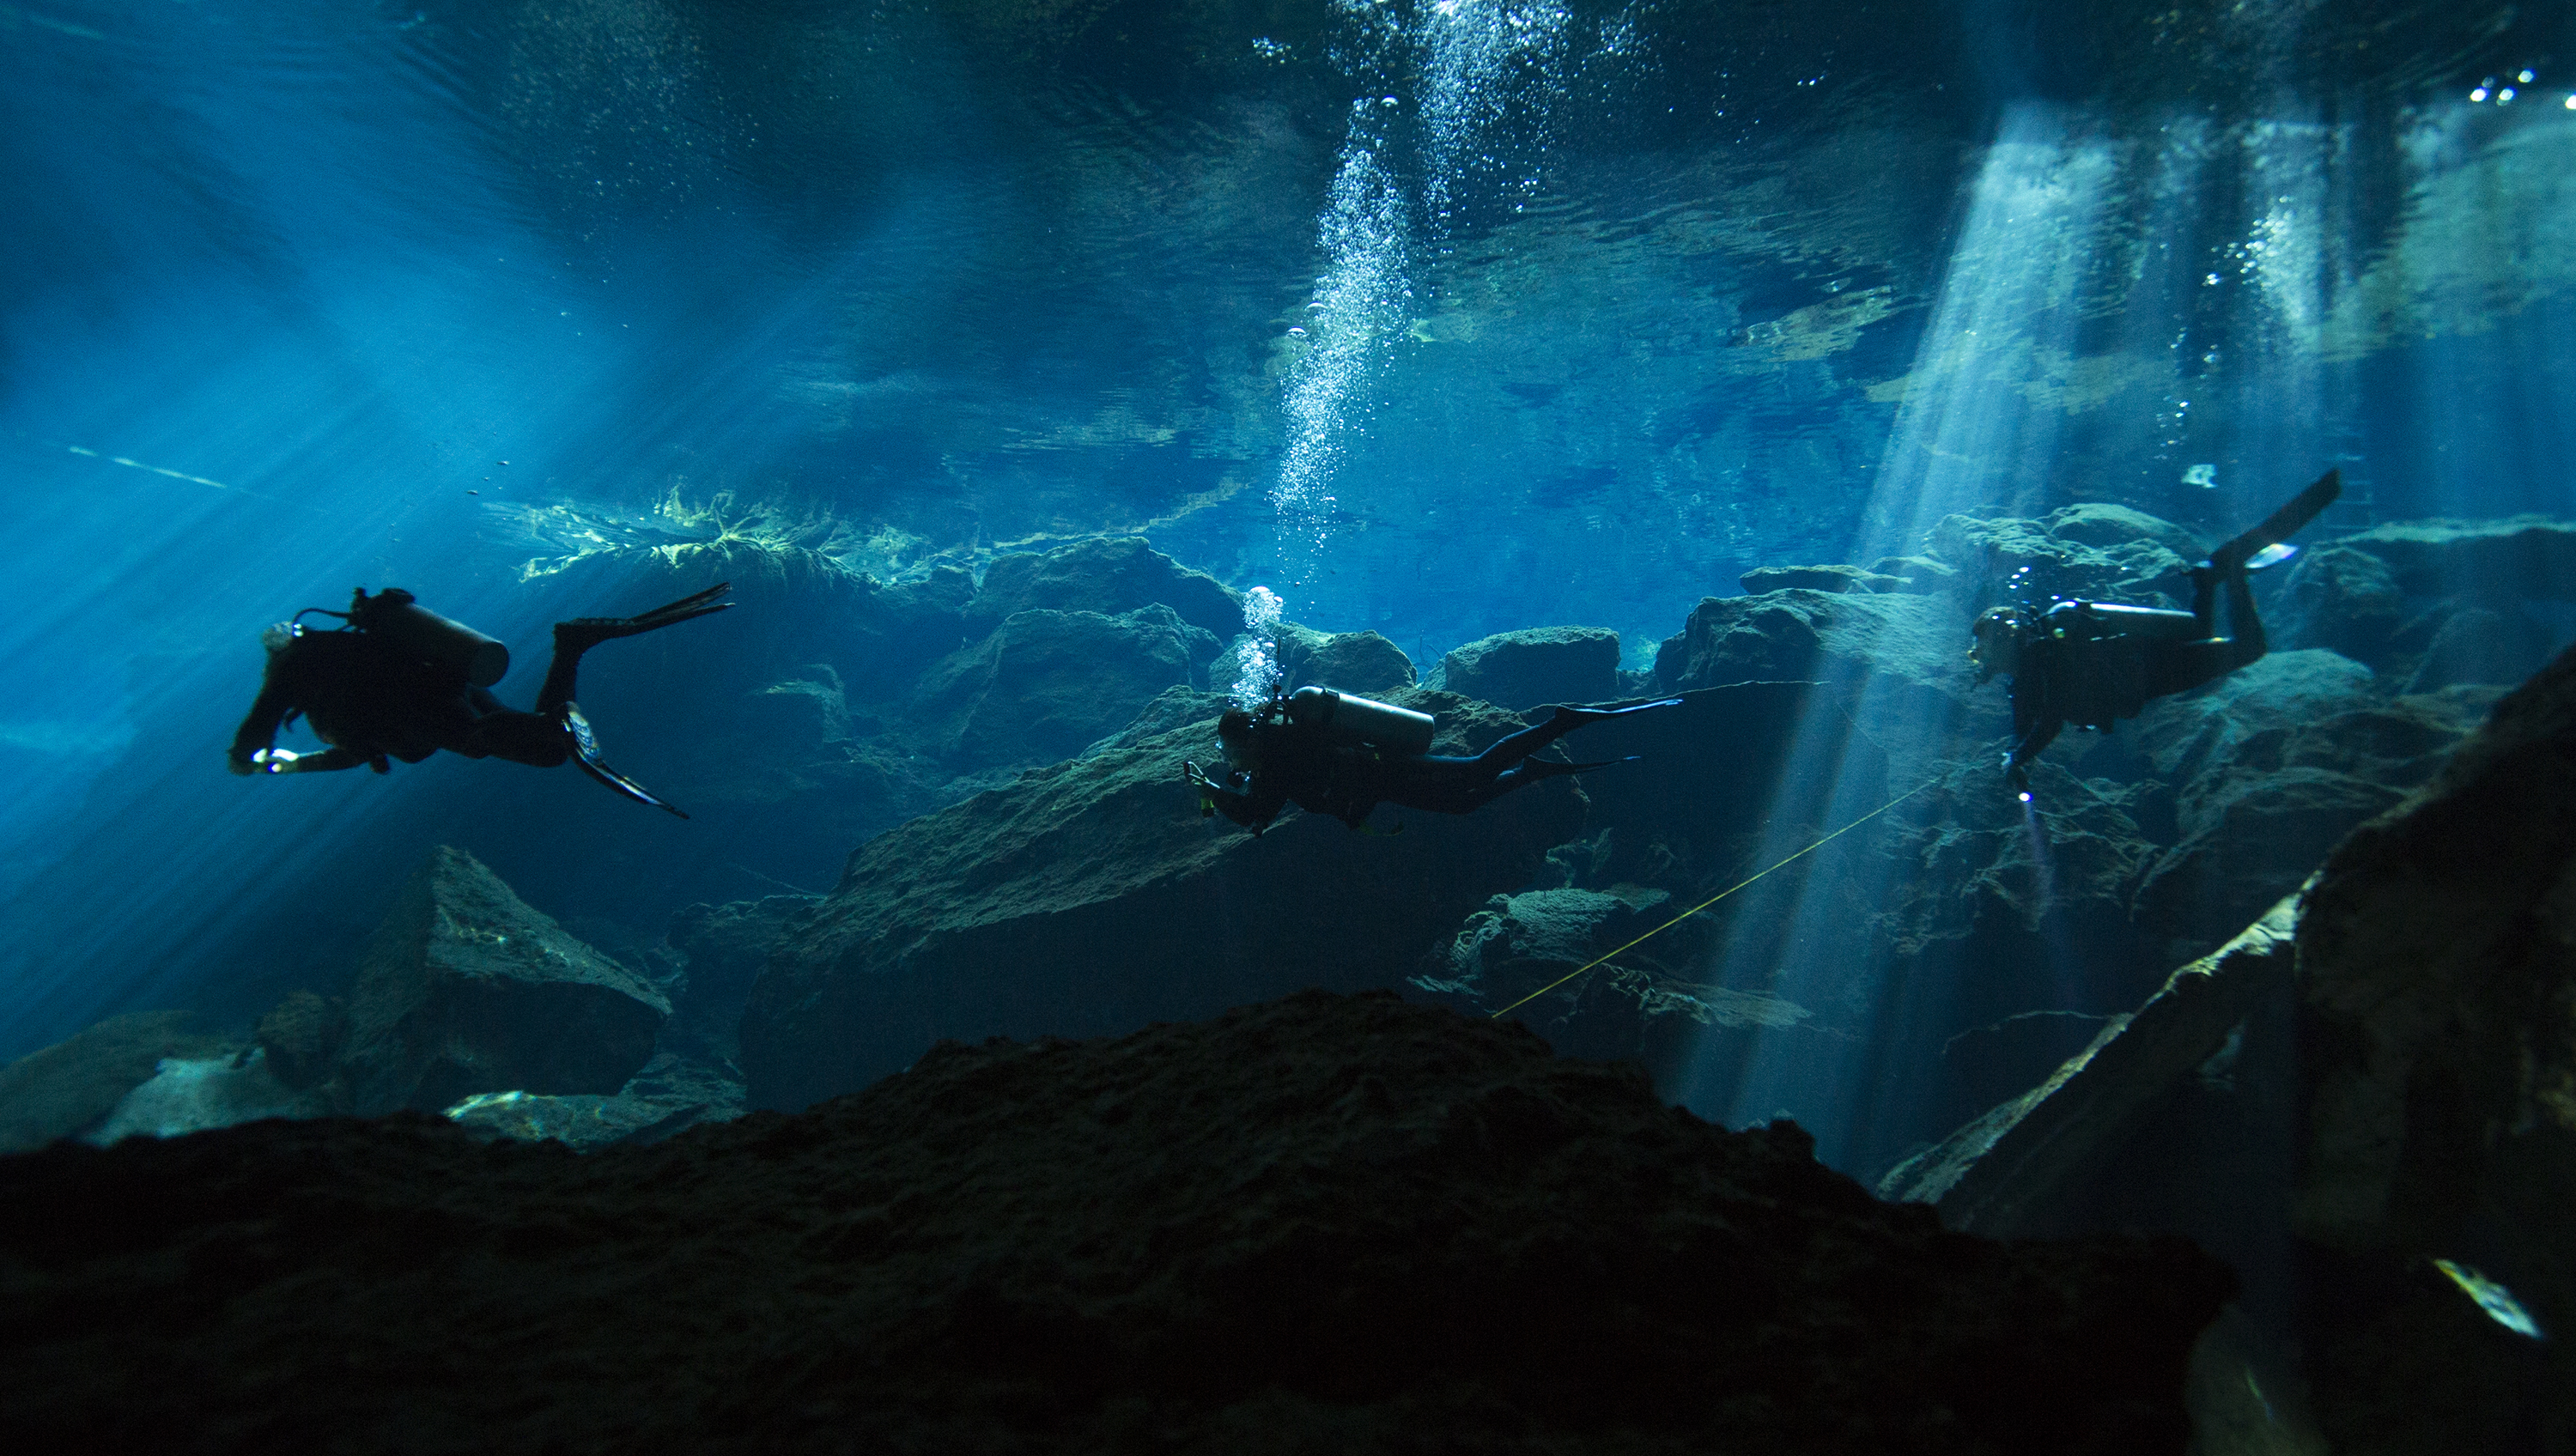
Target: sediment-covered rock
(1536,665)
(466,989)
(1908,642)
(73,1085)
(1354,662)
(2515,556)
(1047,682)
(1819,578)
(2438,958)
(1319,1224)
(1091,897)
(1110,577)
(2022,1169)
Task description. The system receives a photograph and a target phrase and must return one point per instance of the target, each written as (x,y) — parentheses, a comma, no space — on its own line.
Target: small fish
(2272,555)
(2492,1297)
(2204,476)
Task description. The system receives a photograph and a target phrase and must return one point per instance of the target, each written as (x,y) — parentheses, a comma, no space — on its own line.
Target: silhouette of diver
(400,681)
(2091,663)
(1342,756)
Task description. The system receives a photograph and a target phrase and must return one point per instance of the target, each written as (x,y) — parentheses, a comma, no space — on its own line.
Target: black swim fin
(585,754)
(589,631)
(1548,768)
(1594,715)
(2282,524)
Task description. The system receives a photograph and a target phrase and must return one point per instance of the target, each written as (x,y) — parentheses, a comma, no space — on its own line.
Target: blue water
(1437,319)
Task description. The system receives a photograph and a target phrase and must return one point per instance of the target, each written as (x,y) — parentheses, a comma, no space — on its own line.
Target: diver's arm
(258,731)
(1253,811)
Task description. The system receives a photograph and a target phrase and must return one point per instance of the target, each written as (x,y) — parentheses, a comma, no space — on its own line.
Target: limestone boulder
(2341,599)
(1353,662)
(1091,897)
(467,989)
(2095,551)
(1537,665)
(1819,578)
(1914,643)
(2515,556)
(2438,961)
(2480,645)
(74,1085)
(1515,956)
(1047,683)
(1109,577)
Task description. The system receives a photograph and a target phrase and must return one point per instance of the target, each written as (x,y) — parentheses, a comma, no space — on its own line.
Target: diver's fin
(1548,768)
(585,754)
(2304,507)
(1594,715)
(590,630)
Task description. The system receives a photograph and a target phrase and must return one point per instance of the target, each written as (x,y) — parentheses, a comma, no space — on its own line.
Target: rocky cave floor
(1325,1222)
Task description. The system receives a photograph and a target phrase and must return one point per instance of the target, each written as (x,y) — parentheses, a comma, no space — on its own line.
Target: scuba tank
(2091,621)
(1353,721)
(398,617)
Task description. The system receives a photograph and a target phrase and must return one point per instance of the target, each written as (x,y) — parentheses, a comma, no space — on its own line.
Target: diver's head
(1234,730)
(1998,634)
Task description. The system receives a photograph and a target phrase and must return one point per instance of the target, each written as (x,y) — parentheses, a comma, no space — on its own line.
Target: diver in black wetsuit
(400,681)
(2091,663)
(1342,756)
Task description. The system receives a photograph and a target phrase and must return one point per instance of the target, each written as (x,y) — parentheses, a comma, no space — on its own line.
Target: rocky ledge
(1319,1223)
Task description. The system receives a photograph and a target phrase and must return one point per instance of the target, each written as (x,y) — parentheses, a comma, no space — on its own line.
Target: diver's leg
(581,634)
(1511,748)
(2282,524)
(535,739)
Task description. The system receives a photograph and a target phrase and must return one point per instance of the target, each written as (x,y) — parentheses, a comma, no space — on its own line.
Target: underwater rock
(2018,1170)
(2339,599)
(302,1036)
(192,1094)
(2482,646)
(2517,556)
(1537,665)
(724,947)
(1915,573)
(1323,1223)
(1998,1062)
(1818,578)
(1090,896)
(1636,1008)
(466,989)
(1110,577)
(1354,662)
(1916,642)
(74,1084)
(671,1095)
(1047,683)
(2438,966)
(2272,766)
(2095,551)
(797,717)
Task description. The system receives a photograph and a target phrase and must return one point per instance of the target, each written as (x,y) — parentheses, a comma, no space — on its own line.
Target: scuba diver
(2090,663)
(1342,756)
(401,681)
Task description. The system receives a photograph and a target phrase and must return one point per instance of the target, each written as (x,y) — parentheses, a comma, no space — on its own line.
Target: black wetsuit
(1300,763)
(372,701)
(2093,663)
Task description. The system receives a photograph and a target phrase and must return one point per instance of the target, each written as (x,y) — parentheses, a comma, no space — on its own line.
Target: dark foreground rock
(1319,1224)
